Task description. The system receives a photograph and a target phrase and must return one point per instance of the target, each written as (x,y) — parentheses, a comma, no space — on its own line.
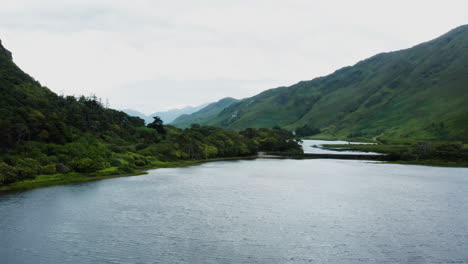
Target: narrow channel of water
(313,146)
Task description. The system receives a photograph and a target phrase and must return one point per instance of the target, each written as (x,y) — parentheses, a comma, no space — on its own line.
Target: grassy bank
(333,138)
(73,177)
(416,152)
(58,179)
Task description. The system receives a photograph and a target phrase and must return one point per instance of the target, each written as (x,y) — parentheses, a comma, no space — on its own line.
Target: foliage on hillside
(418,93)
(100,156)
(205,116)
(43,133)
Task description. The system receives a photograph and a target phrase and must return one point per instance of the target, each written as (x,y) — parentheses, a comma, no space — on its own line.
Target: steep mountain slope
(205,116)
(421,92)
(31,112)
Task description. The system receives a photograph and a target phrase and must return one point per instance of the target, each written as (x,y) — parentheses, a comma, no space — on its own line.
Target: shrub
(126,168)
(140,162)
(86,165)
(107,171)
(7,174)
(49,169)
(61,168)
(141,146)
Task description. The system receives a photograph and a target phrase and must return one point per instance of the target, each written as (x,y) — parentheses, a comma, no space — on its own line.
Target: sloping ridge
(419,92)
(205,116)
(31,112)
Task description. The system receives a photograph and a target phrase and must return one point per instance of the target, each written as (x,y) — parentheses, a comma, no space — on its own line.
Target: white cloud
(234,48)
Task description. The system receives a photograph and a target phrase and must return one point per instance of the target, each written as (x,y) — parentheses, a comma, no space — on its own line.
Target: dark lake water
(251,211)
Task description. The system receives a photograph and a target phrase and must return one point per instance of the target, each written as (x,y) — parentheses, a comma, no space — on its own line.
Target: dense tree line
(43,133)
(307,130)
(100,155)
(433,151)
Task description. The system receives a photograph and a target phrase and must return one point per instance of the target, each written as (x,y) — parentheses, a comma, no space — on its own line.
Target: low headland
(446,153)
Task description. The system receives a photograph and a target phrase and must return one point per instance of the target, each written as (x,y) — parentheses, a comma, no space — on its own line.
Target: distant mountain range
(205,115)
(166,116)
(421,92)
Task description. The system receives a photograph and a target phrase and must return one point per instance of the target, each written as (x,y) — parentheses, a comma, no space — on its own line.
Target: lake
(248,211)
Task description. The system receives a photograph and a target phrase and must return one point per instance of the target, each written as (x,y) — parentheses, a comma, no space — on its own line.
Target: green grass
(108,173)
(322,137)
(112,172)
(58,179)
(380,148)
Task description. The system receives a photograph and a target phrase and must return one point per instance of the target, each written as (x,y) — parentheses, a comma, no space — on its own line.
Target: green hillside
(420,93)
(205,116)
(67,139)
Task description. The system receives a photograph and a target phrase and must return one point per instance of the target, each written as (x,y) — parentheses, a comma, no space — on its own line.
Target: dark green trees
(272,140)
(158,125)
(307,130)
(43,133)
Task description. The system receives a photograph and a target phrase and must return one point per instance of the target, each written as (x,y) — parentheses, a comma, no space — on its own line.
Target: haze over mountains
(203,116)
(166,116)
(420,92)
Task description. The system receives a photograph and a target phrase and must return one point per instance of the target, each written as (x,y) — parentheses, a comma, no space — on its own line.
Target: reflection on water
(258,211)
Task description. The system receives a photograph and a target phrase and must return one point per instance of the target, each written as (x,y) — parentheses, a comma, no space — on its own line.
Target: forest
(42,133)
(86,137)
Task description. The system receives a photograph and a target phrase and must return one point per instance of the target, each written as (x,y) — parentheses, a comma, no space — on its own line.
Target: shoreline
(42,181)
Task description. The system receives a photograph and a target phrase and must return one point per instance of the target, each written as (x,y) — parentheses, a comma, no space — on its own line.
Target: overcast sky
(154,55)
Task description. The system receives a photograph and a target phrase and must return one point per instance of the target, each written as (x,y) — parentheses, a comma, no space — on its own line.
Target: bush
(140,162)
(25,173)
(87,165)
(7,174)
(26,168)
(126,168)
(49,169)
(117,149)
(107,172)
(307,130)
(61,168)
(141,146)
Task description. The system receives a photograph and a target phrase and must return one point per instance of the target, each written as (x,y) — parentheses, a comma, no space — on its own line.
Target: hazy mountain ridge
(166,116)
(206,115)
(135,113)
(420,92)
